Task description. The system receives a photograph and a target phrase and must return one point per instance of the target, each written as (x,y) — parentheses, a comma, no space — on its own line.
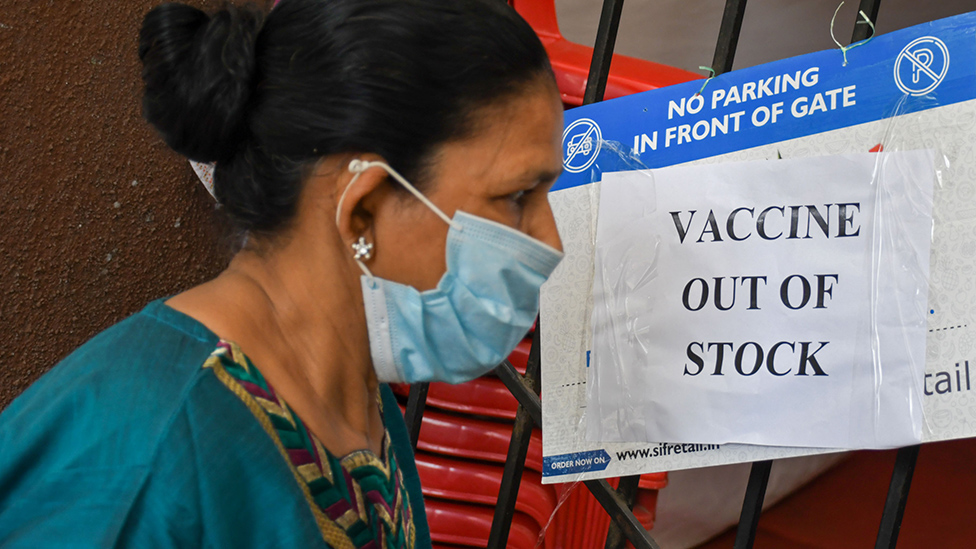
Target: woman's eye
(517,196)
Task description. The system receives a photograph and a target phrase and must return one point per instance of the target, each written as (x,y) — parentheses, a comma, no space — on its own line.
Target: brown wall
(98,216)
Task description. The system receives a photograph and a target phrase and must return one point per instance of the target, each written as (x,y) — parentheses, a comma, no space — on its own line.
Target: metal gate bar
(518,447)
(752,503)
(861,29)
(623,517)
(618,503)
(627,490)
(606,38)
(894,509)
(728,36)
(414,414)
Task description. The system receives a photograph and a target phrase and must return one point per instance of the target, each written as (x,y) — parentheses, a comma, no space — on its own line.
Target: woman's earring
(362,248)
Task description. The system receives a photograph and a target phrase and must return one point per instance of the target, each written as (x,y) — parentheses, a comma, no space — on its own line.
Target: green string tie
(845,49)
(707,80)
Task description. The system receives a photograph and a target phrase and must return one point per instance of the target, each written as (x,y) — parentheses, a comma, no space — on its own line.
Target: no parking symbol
(581,145)
(922,65)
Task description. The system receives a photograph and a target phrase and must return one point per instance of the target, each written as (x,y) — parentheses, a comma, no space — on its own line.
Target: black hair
(267,96)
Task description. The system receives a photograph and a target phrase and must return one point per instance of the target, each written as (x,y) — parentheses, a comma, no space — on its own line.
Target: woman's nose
(545,227)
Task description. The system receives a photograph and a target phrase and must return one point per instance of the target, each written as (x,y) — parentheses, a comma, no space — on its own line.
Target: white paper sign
(777,303)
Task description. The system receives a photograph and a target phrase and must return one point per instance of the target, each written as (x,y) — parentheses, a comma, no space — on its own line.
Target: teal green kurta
(130,442)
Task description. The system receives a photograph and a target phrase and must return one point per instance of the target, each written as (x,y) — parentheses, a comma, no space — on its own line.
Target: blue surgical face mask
(482,307)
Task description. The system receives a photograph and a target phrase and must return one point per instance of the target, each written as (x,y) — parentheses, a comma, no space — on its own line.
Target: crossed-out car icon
(577,142)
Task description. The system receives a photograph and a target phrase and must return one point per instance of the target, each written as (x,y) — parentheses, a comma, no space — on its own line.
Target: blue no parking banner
(914,69)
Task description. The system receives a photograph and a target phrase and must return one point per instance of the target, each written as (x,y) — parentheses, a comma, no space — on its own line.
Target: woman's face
(502,173)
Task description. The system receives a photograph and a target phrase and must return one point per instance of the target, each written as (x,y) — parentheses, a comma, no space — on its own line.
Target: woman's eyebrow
(540,175)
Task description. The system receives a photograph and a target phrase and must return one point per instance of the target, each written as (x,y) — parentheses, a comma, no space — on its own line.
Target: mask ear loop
(357,167)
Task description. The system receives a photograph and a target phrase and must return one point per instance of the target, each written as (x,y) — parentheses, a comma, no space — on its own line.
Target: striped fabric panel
(361,496)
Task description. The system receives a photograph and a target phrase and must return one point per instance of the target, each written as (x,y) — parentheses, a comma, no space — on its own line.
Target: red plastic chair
(653,481)
(473,438)
(485,396)
(474,482)
(571,62)
(469,525)
(581,521)
(645,508)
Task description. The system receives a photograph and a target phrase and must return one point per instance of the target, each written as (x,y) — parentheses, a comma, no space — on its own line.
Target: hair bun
(199,75)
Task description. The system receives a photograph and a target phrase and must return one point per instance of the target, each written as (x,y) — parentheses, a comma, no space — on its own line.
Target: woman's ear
(359,188)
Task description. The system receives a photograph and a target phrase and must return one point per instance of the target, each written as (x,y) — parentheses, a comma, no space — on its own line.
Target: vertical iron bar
(501,523)
(861,29)
(414,414)
(606,38)
(728,36)
(627,488)
(745,534)
(894,509)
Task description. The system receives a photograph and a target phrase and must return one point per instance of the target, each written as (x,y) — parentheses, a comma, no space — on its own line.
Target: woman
(388,161)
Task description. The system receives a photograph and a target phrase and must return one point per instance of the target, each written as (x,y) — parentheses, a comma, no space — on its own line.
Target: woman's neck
(306,333)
